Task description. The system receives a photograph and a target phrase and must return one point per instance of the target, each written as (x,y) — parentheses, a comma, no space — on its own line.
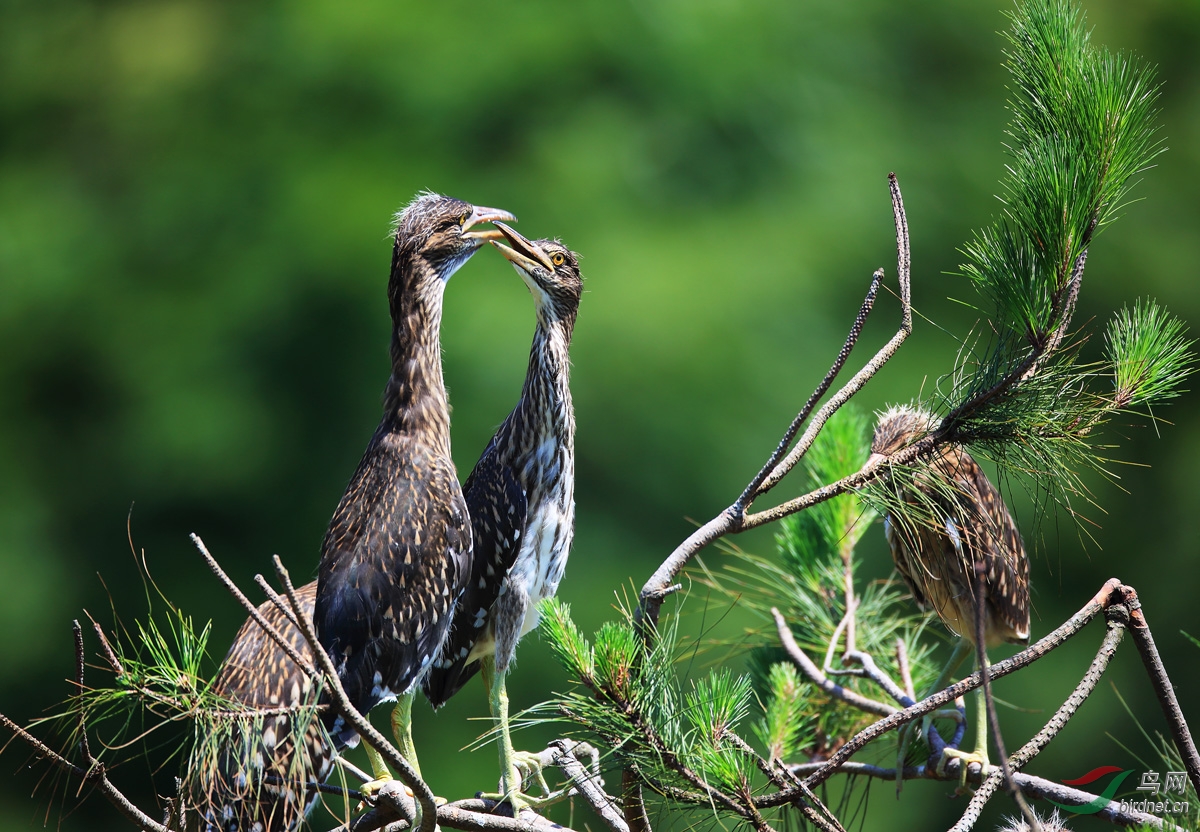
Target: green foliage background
(194,203)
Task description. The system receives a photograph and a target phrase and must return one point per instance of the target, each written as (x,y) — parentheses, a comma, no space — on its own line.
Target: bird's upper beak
(524,255)
(481,215)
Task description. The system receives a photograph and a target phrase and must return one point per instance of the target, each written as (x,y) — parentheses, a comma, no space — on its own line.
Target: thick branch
(1164,690)
(1023,659)
(1116,629)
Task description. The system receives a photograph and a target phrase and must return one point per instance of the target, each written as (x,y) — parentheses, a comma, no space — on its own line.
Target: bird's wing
(395,558)
(905,544)
(247,772)
(994,539)
(498,507)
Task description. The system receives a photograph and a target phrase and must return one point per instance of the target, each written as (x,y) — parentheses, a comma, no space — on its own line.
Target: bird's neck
(415,400)
(547,387)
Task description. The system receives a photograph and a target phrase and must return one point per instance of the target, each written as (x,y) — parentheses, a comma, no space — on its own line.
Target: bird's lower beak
(523,254)
(875,459)
(482,215)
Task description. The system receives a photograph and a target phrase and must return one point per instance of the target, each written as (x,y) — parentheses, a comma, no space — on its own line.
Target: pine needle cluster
(1083,128)
(162,693)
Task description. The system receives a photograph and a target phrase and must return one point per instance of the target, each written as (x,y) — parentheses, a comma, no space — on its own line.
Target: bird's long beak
(523,254)
(481,215)
(875,459)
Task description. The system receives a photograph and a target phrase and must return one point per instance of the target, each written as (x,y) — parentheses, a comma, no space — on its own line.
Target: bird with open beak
(521,500)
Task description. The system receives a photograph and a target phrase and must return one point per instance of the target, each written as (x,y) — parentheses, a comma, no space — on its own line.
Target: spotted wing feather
(254,780)
(497,506)
(997,542)
(394,563)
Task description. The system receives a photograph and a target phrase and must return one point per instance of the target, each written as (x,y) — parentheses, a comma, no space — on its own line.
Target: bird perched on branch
(397,554)
(244,773)
(955,535)
(394,561)
(521,500)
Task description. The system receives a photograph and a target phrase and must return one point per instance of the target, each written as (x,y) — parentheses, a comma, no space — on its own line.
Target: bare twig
(85,747)
(633,803)
(734,519)
(106,647)
(885,353)
(95,774)
(589,783)
(875,673)
(237,593)
(1033,786)
(809,668)
(758,486)
(280,603)
(905,671)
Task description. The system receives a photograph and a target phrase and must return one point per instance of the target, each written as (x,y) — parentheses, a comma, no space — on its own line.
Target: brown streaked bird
(247,777)
(397,553)
(963,521)
(522,504)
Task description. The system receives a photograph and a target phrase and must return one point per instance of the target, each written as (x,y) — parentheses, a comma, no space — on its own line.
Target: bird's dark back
(393,564)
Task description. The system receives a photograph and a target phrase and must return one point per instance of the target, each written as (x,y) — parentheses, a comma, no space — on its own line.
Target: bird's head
(549,269)
(898,427)
(443,232)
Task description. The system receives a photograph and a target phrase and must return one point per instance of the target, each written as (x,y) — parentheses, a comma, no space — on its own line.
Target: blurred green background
(194,208)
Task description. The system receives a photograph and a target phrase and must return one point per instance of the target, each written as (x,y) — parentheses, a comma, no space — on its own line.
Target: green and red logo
(1156,800)
(1105,796)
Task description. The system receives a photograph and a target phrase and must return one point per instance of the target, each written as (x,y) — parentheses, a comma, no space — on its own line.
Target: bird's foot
(526,765)
(965,759)
(370,790)
(521,801)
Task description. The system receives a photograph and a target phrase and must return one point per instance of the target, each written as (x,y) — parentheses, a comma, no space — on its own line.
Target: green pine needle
(1149,354)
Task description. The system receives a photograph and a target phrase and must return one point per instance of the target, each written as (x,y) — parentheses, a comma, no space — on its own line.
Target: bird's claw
(370,790)
(965,760)
(526,765)
(521,801)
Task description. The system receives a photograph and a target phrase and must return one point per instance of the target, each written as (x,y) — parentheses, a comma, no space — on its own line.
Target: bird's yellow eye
(557,258)
(463,219)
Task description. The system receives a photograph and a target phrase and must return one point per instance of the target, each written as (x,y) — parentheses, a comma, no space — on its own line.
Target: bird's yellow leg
(980,754)
(402,731)
(378,766)
(514,765)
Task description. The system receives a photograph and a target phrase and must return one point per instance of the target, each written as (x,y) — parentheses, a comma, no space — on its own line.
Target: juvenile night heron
(521,499)
(963,523)
(248,776)
(397,554)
